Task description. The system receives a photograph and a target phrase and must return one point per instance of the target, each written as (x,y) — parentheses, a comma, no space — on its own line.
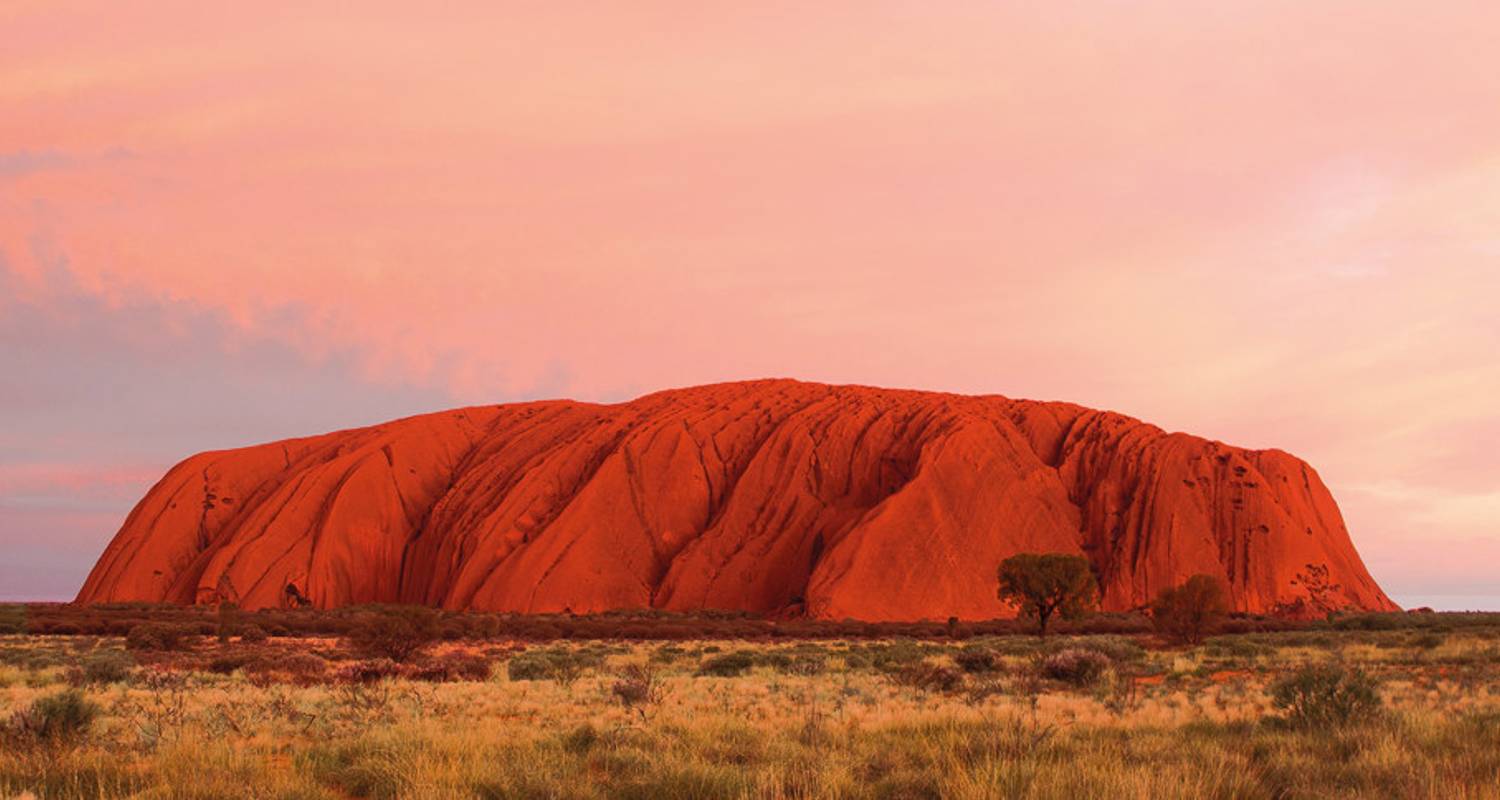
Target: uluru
(772,497)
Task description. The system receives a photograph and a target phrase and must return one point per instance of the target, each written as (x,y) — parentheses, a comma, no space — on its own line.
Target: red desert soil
(767,496)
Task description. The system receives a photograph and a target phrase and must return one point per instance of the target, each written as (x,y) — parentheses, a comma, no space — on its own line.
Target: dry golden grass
(1159,724)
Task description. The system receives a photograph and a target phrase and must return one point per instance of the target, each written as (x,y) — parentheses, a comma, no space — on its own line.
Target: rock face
(774,497)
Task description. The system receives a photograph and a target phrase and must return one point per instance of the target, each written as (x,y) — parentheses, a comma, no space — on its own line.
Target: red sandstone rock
(765,496)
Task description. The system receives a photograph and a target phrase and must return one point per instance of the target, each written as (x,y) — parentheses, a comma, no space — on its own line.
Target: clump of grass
(57,720)
(930,676)
(562,666)
(1076,666)
(1428,640)
(727,665)
(13,618)
(639,688)
(796,662)
(303,669)
(102,667)
(978,660)
(395,632)
(842,733)
(1326,696)
(158,636)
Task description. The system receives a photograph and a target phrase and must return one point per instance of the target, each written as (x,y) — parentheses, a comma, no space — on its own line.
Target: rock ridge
(772,496)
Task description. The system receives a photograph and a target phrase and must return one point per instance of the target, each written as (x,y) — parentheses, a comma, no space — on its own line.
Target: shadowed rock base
(766,496)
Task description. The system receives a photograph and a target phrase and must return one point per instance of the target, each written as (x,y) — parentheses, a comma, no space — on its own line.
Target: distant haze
(1276,224)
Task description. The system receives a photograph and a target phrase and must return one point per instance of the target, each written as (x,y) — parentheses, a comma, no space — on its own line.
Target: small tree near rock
(1190,611)
(1049,584)
(395,632)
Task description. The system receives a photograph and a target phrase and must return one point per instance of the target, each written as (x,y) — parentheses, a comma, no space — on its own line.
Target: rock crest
(775,497)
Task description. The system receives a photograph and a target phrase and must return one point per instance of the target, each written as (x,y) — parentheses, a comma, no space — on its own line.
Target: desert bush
(1325,695)
(226,621)
(931,677)
(253,634)
(562,666)
(464,667)
(1077,666)
(978,660)
(1115,622)
(450,668)
(797,661)
(1428,641)
(806,664)
(102,667)
(1115,648)
(303,669)
(158,636)
(1237,647)
(60,719)
(366,672)
(395,632)
(638,688)
(888,657)
(1187,613)
(727,665)
(227,663)
(667,653)
(428,672)
(1372,621)
(529,667)
(581,739)
(13,618)
(565,670)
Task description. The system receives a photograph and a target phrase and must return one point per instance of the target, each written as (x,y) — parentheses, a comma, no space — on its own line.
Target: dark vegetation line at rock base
(117,619)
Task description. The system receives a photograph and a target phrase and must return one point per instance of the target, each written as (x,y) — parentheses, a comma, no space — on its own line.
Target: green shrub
(158,636)
(1326,695)
(931,677)
(12,618)
(395,632)
(889,657)
(60,719)
(1428,641)
(228,663)
(638,687)
(727,665)
(449,668)
(667,653)
(1115,648)
(102,667)
(581,739)
(794,662)
(303,669)
(467,667)
(529,667)
(978,660)
(367,672)
(1237,647)
(1077,666)
(563,666)
(1187,613)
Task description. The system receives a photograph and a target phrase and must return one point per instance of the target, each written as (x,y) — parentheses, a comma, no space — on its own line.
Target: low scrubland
(405,703)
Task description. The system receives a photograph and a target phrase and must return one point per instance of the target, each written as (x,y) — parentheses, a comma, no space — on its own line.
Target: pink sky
(1276,224)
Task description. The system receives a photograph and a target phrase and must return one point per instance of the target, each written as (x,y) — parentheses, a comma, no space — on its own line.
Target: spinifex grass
(810,719)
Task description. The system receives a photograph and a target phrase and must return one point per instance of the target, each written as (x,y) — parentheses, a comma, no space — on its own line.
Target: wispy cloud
(25,161)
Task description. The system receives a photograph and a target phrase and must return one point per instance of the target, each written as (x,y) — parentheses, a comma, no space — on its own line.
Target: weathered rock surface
(767,496)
